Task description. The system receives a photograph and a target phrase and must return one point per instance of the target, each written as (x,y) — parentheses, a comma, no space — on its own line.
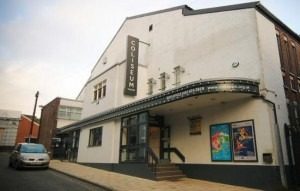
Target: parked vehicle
(29,155)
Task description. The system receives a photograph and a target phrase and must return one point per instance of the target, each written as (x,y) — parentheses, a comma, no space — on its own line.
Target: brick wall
(24,129)
(289,49)
(48,123)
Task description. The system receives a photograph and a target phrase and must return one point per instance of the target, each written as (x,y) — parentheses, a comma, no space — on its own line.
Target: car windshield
(33,148)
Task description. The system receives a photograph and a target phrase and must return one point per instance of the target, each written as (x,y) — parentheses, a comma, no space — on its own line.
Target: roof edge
(160,11)
(134,17)
(189,12)
(263,10)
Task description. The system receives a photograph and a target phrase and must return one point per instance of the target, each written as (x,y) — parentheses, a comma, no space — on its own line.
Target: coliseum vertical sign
(132,66)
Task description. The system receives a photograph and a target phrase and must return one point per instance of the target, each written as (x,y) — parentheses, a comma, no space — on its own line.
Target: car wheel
(16,165)
(9,164)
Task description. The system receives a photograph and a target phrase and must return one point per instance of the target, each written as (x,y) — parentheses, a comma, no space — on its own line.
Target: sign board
(132,66)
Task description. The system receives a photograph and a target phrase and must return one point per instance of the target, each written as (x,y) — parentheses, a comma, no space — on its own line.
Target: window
(292,83)
(287,55)
(279,49)
(95,137)
(150,28)
(69,113)
(163,77)
(150,83)
(104,88)
(104,61)
(292,59)
(177,71)
(295,58)
(99,90)
(134,138)
(95,93)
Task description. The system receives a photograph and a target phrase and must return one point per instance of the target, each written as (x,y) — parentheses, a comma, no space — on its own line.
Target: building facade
(9,121)
(56,114)
(24,129)
(202,89)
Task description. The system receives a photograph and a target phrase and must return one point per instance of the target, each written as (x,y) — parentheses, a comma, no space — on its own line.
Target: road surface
(38,180)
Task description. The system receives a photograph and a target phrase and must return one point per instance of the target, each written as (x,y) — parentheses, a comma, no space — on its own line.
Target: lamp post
(33,116)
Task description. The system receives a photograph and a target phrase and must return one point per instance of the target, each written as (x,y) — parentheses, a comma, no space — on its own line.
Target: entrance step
(164,161)
(168,171)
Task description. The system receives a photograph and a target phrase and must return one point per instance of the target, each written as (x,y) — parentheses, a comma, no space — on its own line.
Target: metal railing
(175,151)
(152,160)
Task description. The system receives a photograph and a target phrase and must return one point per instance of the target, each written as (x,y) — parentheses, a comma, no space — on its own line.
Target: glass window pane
(141,153)
(132,154)
(123,155)
(133,120)
(95,137)
(124,136)
(143,117)
(124,122)
(142,133)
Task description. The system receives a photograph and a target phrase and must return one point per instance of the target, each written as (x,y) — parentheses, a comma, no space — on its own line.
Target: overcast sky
(51,46)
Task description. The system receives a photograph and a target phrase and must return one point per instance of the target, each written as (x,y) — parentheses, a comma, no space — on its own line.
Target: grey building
(9,122)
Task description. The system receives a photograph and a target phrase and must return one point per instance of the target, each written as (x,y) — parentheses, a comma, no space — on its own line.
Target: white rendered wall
(196,148)
(70,103)
(9,122)
(108,152)
(205,45)
(271,78)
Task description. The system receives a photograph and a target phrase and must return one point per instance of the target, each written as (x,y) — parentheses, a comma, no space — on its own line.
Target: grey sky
(52,45)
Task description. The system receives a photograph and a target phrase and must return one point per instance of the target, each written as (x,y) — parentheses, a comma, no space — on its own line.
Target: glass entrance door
(134,138)
(154,140)
(165,142)
(138,132)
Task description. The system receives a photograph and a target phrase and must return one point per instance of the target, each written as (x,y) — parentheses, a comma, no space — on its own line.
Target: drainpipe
(278,144)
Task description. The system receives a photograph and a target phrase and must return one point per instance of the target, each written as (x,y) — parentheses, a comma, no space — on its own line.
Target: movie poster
(244,146)
(220,142)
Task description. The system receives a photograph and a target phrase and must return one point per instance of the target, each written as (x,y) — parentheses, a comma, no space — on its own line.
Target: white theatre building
(199,91)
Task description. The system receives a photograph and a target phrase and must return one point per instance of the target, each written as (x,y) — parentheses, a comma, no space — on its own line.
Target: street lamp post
(33,116)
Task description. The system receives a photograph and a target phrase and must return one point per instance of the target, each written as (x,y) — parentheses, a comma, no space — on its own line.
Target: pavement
(120,182)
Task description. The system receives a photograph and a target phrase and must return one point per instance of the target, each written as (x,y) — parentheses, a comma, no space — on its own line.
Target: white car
(29,155)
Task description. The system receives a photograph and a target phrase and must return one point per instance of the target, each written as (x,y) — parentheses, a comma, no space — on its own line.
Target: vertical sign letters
(132,66)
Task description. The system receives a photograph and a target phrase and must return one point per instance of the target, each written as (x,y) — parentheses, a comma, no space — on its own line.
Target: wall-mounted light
(235,64)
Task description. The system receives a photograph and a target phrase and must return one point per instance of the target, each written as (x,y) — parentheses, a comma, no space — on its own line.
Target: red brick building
(56,114)
(24,129)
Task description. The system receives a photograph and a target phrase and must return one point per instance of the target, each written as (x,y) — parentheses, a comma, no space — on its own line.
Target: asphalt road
(38,180)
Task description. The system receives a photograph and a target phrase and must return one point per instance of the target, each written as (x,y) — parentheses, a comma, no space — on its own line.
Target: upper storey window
(104,61)
(99,91)
(280,49)
(288,53)
(69,113)
(295,58)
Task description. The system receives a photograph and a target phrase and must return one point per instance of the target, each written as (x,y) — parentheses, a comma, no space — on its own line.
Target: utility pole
(33,116)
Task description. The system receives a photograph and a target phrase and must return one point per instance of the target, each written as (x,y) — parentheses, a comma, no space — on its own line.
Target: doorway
(154,139)
(139,132)
(165,142)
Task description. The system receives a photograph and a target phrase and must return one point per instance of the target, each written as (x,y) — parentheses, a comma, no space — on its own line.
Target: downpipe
(278,144)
